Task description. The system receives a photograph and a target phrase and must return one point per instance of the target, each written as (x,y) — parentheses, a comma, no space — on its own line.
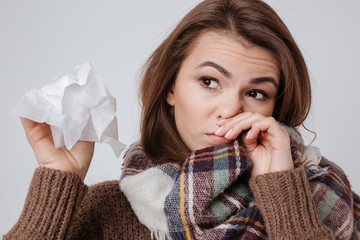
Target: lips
(216,140)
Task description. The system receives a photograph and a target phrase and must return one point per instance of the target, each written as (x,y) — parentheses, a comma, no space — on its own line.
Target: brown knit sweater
(60,206)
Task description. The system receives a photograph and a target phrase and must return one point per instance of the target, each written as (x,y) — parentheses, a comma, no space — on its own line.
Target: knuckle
(284,131)
(258,115)
(271,119)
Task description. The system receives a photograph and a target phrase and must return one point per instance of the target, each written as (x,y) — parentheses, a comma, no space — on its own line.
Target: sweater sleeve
(285,201)
(50,205)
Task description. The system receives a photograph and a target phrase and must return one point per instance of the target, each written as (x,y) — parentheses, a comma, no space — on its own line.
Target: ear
(171,98)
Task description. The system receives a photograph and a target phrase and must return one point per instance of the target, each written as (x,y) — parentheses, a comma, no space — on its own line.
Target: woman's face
(220,78)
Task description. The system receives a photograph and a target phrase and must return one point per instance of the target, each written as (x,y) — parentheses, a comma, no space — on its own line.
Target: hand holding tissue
(76,108)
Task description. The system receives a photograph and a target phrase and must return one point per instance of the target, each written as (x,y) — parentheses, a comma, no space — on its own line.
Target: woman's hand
(266,142)
(76,160)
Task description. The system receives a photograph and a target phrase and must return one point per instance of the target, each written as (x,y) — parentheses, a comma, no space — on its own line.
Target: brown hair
(252,20)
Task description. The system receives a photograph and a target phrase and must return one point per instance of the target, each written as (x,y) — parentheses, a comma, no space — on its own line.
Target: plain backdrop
(40,39)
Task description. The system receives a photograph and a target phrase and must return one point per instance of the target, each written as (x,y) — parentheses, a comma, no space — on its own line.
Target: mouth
(216,140)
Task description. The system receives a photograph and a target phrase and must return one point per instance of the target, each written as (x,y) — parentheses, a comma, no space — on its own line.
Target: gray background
(40,39)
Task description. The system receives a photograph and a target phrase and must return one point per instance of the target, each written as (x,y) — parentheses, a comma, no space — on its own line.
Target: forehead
(220,45)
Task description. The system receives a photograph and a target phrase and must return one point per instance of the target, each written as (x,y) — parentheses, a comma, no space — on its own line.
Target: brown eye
(257,94)
(209,83)
(253,94)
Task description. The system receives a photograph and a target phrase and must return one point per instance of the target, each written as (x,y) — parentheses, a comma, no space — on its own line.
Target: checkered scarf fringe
(207,196)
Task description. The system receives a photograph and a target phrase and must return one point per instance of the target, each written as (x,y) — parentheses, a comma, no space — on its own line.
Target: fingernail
(219,130)
(228,133)
(220,121)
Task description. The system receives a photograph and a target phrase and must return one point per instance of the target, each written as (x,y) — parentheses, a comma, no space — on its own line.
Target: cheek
(193,109)
(188,107)
(269,109)
(266,109)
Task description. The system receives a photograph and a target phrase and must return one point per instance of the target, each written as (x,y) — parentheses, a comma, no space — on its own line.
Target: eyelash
(266,96)
(203,79)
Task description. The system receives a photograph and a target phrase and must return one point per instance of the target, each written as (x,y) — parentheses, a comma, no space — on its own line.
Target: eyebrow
(227,74)
(222,70)
(264,79)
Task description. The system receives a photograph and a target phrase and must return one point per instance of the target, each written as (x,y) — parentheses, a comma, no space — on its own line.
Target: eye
(208,82)
(257,94)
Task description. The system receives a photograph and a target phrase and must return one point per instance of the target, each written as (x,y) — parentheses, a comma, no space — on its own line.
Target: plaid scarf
(207,195)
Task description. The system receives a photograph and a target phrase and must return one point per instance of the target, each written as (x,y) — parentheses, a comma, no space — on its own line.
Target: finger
(31,126)
(264,126)
(267,130)
(239,124)
(238,117)
(250,144)
(226,125)
(84,148)
(27,124)
(36,132)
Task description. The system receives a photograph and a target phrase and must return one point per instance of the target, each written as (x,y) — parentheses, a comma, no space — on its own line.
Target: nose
(230,105)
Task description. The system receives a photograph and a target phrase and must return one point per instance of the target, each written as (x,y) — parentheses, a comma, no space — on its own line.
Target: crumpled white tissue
(76,108)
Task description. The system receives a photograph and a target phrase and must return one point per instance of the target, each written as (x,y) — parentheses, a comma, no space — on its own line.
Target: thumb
(27,124)
(250,140)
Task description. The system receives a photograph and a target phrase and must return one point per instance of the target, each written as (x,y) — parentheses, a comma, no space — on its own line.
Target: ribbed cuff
(50,205)
(285,202)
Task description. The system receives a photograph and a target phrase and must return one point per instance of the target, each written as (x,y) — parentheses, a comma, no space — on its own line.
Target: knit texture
(207,196)
(49,207)
(60,206)
(105,213)
(298,218)
(313,201)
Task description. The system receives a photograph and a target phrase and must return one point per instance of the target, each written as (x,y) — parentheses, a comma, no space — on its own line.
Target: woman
(219,157)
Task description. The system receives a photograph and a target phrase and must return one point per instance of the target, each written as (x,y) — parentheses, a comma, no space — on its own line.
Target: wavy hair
(252,20)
